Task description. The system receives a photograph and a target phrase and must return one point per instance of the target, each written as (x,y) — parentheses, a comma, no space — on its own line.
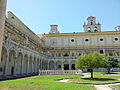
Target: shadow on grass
(98,79)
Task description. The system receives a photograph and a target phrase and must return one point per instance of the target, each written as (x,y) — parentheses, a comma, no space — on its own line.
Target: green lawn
(43,83)
(99,77)
(117,87)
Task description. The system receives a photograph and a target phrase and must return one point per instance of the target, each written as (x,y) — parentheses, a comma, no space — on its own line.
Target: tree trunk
(108,70)
(91,73)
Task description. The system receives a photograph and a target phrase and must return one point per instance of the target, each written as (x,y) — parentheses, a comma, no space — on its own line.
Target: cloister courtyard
(57,82)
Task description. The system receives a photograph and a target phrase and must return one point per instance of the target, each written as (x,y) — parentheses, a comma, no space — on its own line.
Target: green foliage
(111,63)
(91,61)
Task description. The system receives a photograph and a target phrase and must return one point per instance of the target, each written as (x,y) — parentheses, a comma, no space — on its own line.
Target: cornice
(82,34)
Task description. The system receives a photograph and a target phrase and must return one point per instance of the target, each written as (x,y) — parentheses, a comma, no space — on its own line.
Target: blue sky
(68,14)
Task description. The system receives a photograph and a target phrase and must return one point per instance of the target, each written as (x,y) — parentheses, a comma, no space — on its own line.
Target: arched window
(89,29)
(95,29)
(91,22)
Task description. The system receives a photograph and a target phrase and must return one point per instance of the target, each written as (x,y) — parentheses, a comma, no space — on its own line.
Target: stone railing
(60,72)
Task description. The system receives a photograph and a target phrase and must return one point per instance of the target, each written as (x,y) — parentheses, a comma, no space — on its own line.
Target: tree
(111,63)
(91,61)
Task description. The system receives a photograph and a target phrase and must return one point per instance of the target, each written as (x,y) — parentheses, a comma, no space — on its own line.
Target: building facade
(24,53)
(64,48)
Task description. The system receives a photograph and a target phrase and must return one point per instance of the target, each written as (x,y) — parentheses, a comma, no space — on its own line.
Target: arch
(34,65)
(30,65)
(25,64)
(3,61)
(52,65)
(19,63)
(59,65)
(73,63)
(95,29)
(40,66)
(38,63)
(66,65)
(11,62)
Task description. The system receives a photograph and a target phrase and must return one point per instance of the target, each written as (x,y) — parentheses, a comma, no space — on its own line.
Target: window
(12,17)
(0,69)
(59,54)
(59,66)
(72,54)
(101,39)
(66,54)
(79,54)
(88,28)
(86,40)
(72,40)
(91,22)
(101,51)
(89,31)
(116,39)
(110,54)
(95,30)
(54,41)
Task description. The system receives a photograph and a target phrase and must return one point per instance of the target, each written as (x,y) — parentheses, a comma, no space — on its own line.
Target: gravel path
(103,87)
(64,80)
(98,87)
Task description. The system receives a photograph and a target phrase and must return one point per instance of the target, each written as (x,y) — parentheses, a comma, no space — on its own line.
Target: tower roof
(91,17)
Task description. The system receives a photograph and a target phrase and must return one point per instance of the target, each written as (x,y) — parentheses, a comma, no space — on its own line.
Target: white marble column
(2,22)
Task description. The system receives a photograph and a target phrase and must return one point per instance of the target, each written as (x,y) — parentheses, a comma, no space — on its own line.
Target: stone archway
(19,64)
(30,65)
(25,64)
(59,65)
(11,63)
(3,61)
(34,65)
(66,65)
(73,63)
(52,65)
(38,63)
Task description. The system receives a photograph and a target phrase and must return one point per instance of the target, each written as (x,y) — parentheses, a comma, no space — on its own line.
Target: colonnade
(62,65)
(15,63)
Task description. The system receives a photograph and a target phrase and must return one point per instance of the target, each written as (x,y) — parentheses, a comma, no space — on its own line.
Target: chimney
(54,29)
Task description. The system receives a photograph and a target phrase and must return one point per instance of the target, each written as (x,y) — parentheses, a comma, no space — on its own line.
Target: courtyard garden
(51,82)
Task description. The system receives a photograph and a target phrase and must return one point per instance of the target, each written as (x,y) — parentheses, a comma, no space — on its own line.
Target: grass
(43,83)
(99,77)
(117,87)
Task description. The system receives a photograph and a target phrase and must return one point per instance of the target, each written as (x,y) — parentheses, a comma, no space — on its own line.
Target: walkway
(98,87)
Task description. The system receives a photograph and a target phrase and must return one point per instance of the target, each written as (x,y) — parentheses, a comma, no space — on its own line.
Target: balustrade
(60,72)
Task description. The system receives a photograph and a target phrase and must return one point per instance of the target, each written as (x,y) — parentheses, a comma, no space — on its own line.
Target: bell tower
(91,25)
